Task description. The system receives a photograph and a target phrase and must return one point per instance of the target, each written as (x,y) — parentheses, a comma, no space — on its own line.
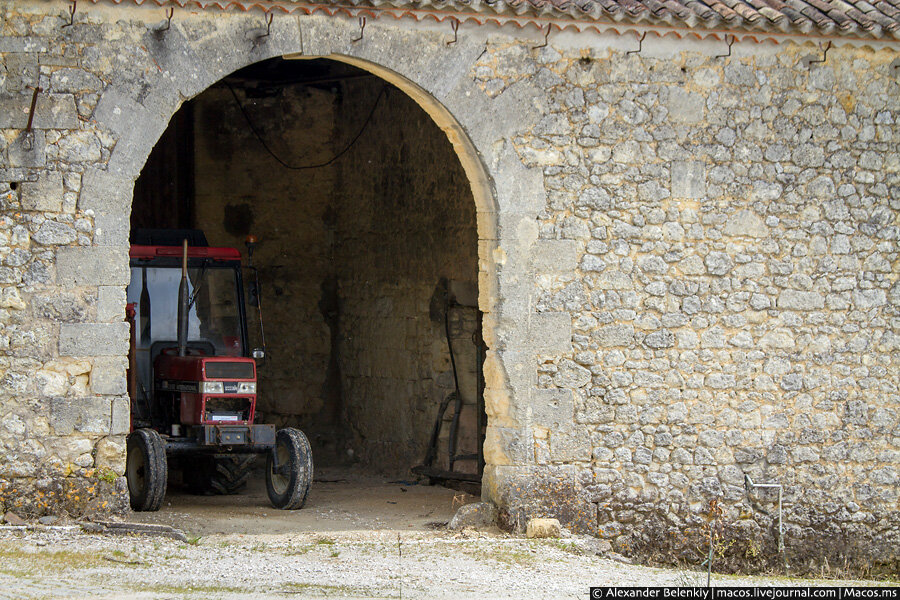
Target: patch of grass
(510,555)
(202,591)
(17,561)
(324,541)
(193,540)
(324,589)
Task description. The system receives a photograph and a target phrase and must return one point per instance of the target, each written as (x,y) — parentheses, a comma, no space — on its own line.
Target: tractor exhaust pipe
(183,307)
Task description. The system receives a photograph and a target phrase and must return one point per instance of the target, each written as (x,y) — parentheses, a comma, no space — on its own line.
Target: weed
(324,541)
(566,546)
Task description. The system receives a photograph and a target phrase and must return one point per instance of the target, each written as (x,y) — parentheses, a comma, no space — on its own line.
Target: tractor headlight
(212,387)
(247,387)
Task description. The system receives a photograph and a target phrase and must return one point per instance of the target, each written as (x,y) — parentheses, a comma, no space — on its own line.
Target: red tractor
(192,377)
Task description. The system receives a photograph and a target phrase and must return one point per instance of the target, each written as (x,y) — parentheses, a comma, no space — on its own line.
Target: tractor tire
(223,474)
(288,482)
(146,470)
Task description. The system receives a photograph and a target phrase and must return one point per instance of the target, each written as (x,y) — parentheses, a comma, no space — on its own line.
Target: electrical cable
(303,167)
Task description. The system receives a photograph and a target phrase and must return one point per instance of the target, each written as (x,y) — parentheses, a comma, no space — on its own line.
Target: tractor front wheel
(289,469)
(146,470)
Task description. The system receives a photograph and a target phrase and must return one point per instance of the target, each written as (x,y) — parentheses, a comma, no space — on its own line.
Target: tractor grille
(229,370)
(228,409)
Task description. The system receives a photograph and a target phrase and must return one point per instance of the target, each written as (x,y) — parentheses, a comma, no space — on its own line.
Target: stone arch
(507,195)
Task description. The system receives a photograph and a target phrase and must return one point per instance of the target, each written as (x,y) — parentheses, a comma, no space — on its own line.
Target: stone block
(102,191)
(688,179)
(110,303)
(53,111)
(54,233)
(175,54)
(44,195)
(543,528)
(508,446)
(549,408)
(120,420)
(799,300)
(107,266)
(746,223)
(478,515)
(614,335)
(75,80)
(93,339)
(90,415)
(119,113)
(20,154)
(108,376)
(23,44)
(133,148)
(550,333)
(570,443)
(110,453)
(555,256)
(79,147)
(685,106)
(518,188)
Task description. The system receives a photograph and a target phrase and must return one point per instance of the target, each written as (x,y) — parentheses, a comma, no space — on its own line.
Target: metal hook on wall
(261,38)
(170,12)
(269,18)
(809,60)
(454,25)
(71,15)
(640,45)
(730,44)
(546,38)
(28,140)
(362,28)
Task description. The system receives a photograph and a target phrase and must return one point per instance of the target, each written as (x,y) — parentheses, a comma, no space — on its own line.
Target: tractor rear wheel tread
(289,488)
(230,472)
(223,474)
(146,470)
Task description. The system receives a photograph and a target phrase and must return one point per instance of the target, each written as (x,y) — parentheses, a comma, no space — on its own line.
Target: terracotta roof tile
(861,19)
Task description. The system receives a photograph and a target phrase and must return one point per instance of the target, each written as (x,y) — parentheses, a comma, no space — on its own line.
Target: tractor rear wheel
(224,474)
(289,469)
(146,470)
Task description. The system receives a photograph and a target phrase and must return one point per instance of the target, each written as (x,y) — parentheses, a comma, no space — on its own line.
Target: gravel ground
(67,563)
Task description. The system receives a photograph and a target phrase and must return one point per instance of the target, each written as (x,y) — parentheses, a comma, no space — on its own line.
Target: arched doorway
(368,256)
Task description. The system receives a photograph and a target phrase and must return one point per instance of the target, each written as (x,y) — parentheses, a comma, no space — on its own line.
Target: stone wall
(406,245)
(63,409)
(241,190)
(735,295)
(687,264)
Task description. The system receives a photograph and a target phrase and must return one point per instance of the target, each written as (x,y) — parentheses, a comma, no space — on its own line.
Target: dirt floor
(339,500)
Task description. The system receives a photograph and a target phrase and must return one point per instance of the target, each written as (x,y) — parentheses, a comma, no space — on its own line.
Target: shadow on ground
(339,500)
